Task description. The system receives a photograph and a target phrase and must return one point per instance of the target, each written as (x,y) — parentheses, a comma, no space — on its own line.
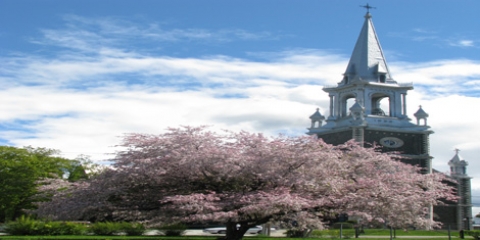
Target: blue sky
(76,75)
(439,29)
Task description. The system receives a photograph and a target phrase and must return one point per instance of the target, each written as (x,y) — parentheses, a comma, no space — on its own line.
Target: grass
(105,237)
(375,233)
(193,238)
(386,232)
(211,238)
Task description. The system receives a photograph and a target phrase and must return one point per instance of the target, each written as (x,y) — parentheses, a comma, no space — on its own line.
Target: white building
(368,105)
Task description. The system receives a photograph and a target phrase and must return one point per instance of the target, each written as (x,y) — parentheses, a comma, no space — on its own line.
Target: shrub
(48,228)
(69,228)
(177,229)
(24,226)
(473,233)
(106,228)
(295,233)
(133,229)
(29,226)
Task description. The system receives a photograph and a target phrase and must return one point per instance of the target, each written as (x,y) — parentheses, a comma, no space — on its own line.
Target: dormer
(381,73)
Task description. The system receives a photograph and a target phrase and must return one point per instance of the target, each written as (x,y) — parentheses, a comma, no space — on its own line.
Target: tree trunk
(234,232)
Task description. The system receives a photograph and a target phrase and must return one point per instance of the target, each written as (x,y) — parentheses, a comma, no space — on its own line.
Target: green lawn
(370,234)
(106,237)
(200,238)
(386,232)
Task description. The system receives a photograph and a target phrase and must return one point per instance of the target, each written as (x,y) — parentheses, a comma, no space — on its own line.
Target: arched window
(381,105)
(347,104)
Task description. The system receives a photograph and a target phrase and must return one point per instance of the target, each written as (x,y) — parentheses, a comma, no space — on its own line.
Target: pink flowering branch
(192,174)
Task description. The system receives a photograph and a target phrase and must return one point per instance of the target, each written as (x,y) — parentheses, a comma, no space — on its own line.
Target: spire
(458,166)
(457,157)
(367,61)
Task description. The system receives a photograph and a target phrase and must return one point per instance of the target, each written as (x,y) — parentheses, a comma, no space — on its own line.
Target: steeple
(367,80)
(367,97)
(367,61)
(458,166)
(368,106)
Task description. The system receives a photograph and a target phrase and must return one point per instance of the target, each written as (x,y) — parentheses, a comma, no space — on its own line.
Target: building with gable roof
(369,106)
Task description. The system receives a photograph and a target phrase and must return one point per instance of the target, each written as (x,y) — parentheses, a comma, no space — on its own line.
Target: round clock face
(391,142)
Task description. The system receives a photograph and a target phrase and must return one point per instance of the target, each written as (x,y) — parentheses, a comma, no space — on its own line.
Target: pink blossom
(191,174)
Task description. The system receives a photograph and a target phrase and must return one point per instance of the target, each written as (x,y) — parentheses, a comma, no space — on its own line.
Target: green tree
(82,168)
(21,172)
(76,171)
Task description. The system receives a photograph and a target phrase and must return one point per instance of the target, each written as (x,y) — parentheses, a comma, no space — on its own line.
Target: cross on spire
(368,7)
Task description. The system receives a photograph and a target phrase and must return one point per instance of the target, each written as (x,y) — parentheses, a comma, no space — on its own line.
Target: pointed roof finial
(457,150)
(368,7)
(457,158)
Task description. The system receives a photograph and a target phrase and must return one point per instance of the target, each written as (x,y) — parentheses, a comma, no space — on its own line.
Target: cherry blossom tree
(190,174)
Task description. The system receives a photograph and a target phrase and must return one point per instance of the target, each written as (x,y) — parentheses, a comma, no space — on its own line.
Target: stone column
(331,106)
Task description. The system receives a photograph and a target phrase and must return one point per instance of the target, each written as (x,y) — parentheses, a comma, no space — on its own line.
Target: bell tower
(368,105)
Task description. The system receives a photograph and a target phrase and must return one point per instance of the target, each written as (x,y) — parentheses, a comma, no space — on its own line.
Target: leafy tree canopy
(242,179)
(22,171)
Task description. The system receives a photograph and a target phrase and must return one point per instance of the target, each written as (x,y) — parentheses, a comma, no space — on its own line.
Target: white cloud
(434,37)
(417,34)
(77,106)
(462,43)
(444,77)
(84,99)
(96,35)
(466,43)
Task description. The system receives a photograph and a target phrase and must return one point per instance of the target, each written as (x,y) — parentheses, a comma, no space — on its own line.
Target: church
(369,106)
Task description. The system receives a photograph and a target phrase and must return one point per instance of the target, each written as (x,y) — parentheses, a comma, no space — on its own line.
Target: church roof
(457,159)
(367,60)
(420,113)
(357,107)
(317,115)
